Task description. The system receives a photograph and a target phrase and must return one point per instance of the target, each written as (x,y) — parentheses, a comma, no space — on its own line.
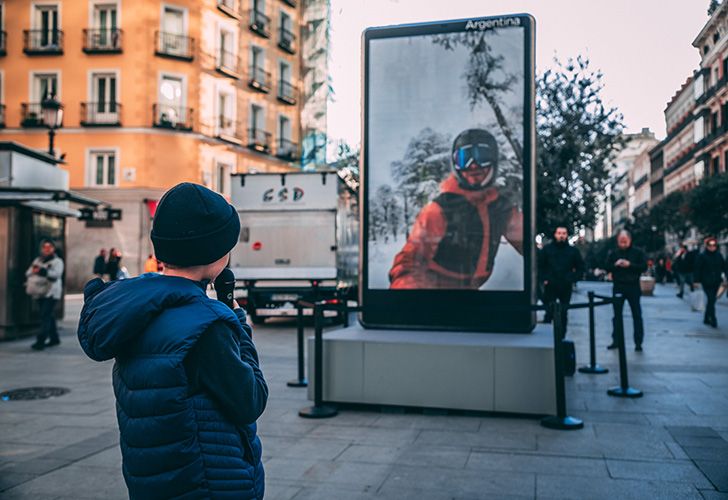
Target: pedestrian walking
(684,264)
(660,271)
(709,269)
(112,265)
(560,266)
(100,264)
(187,380)
(45,284)
(151,265)
(626,264)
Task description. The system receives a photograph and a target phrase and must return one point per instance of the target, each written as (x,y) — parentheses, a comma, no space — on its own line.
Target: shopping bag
(697,300)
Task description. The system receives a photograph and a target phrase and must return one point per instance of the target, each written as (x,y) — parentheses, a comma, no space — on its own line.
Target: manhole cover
(33,393)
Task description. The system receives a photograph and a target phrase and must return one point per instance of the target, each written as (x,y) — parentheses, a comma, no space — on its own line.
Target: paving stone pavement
(672,443)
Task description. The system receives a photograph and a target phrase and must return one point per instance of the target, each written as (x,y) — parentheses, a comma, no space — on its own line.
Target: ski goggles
(476,154)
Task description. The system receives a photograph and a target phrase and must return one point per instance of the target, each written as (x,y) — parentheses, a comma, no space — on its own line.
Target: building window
(223,178)
(102,168)
(259,78)
(170,111)
(3,35)
(172,40)
(227,55)
(105,35)
(103,108)
(286,38)
(226,114)
(46,27)
(258,138)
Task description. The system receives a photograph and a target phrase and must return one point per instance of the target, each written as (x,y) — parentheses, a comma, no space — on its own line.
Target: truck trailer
(299,240)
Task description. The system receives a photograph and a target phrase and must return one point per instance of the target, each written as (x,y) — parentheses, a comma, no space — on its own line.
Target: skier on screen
(455,238)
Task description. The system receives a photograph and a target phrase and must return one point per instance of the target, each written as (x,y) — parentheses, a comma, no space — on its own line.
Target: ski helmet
(474,148)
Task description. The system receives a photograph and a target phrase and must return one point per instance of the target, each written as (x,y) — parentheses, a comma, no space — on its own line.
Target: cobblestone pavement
(672,443)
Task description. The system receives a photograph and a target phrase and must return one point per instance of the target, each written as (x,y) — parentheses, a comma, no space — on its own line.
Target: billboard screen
(448,167)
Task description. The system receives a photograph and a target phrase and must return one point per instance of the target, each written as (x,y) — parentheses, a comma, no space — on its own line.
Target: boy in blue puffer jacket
(187,380)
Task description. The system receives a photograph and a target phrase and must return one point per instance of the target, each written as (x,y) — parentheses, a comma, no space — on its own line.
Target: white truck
(299,239)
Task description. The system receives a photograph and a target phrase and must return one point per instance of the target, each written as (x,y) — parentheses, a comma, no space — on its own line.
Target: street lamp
(52,111)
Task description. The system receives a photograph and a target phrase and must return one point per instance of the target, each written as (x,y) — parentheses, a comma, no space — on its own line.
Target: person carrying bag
(45,284)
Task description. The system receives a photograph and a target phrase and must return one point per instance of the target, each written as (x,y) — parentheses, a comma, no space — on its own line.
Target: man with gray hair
(626,264)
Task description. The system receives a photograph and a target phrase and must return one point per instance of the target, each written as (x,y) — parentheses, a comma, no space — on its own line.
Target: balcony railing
(292,3)
(259,23)
(227,62)
(43,42)
(229,7)
(172,117)
(226,126)
(287,40)
(100,114)
(31,115)
(2,115)
(287,150)
(259,79)
(259,140)
(175,46)
(102,41)
(3,43)
(286,92)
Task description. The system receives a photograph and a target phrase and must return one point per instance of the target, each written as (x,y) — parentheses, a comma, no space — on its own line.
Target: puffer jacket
(174,444)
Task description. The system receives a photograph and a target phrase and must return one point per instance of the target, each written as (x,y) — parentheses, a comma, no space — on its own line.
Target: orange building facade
(154,93)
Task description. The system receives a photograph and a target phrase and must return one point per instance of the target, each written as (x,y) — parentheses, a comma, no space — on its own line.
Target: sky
(643,47)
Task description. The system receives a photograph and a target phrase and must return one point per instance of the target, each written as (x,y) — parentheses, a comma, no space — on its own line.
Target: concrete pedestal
(464,371)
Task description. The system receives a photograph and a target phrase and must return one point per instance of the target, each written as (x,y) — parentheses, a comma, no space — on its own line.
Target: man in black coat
(100,263)
(560,266)
(709,268)
(626,264)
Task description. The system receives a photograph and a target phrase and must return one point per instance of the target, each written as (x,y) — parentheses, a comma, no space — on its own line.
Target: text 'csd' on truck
(299,240)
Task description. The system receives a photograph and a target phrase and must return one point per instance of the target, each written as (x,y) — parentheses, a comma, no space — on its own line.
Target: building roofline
(679,92)
(34,153)
(718,12)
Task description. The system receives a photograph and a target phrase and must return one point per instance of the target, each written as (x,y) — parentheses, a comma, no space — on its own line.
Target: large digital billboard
(448,173)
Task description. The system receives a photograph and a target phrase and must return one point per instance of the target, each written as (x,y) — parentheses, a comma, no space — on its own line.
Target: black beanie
(193,226)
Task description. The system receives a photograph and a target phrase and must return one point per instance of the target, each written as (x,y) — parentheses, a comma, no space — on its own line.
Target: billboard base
(508,373)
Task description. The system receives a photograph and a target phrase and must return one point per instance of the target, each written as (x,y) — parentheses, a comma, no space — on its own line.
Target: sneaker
(638,348)
(37,347)
(613,345)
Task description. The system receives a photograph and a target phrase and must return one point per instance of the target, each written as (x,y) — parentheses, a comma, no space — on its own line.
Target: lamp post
(52,111)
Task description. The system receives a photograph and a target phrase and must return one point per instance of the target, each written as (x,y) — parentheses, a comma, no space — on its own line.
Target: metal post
(561,420)
(624,390)
(319,409)
(51,136)
(301,381)
(593,366)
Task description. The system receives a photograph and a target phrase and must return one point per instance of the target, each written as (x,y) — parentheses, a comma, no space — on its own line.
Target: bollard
(561,420)
(319,409)
(623,390)
(301,381)
(593,366)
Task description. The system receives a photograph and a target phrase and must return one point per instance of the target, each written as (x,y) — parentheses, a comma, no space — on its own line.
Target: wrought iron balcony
(100,114)
(43,42)
(259,79)
(229,7)
(175,46)
(2,115)
(227,63)
(3,43)
(287,40)
(286,92)
(226,127)
(259,23)
(102,41)
(287,150)
(259,140)
(172,117)
(31,115)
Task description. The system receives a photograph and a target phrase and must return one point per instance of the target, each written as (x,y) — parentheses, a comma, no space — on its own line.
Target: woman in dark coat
(709,268)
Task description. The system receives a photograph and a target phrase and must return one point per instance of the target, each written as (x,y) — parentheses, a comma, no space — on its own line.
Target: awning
(53,201)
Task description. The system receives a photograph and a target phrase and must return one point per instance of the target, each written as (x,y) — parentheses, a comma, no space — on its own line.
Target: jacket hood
(116,313)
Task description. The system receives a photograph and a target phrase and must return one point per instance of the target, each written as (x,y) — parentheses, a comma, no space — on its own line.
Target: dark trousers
(682,280)
(632,295)
(48,328)
(562,293)
(711,291)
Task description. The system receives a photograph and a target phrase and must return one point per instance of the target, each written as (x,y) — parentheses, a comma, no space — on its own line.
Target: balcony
(292,3)
(3,43)
(227,130)
(100,114)
(2,116)
(227,63)
(228,7)
(287,40)
(286,92)
(174,46)
(259,140)
(43,42)
(259,79)
(287,150)
(102,41)
(172,117)
(259,23)
(31,115)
